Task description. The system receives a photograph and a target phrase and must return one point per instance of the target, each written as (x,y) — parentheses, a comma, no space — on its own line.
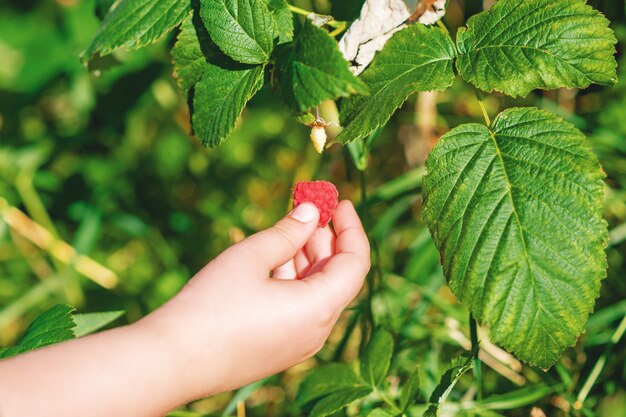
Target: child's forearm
(129,371)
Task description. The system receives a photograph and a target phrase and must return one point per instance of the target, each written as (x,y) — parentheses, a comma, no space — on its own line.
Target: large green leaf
(220,97)
(190,60)
(377,358)
(521,45)
(458,366)
(516,212)
(222,87)
(418,58)
(243,29)
(136,23)
(312,70)
(52,326)
(325,380)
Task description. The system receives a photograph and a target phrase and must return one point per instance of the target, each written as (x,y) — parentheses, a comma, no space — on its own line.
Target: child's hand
(245,316)
(242,317)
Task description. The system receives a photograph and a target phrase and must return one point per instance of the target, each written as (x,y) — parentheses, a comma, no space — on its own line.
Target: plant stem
(338,25)
(340,28)
(442,26)
(241,409)
(387,401)
(597,368)
(354,319)
(482,107)
(32,202)
(478,374)
(368,316)
(298,10)
(363,194)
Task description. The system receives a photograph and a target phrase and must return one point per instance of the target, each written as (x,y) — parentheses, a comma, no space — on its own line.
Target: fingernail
(304,213)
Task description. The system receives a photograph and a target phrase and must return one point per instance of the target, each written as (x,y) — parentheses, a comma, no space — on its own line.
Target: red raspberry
(321,193)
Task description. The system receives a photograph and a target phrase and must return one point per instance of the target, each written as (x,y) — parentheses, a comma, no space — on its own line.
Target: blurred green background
(101,158)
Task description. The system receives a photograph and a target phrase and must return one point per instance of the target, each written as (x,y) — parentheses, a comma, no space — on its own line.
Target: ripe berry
(321,193)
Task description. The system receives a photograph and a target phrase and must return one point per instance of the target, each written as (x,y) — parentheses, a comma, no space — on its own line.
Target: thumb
(275,246)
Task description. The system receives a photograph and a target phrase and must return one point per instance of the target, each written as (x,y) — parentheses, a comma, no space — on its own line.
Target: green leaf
(410,390)
(377,358)
(338,400)
(243,29)
(189,59)
(305,118)
(221,86)
(516,212)
(52,326)
(220,97)
(518,398)
(522,45)
(417,58)
(327,380)
(313,70)
(450,377)
(283,18)
(88,323)
(136,23)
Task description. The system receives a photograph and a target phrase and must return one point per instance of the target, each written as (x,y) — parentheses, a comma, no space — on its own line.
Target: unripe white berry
(318,137)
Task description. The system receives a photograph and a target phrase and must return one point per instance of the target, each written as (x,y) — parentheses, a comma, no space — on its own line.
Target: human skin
(241,318)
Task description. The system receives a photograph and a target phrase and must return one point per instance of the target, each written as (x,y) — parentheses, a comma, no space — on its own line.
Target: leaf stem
(442,26)
(338,25)
(482,107)
(478,374)
(368,316)
(387,400)
(597,368)
(298,10)
(340,28)
(363,193)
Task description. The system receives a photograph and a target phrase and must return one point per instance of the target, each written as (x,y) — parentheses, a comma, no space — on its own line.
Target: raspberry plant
(514,205)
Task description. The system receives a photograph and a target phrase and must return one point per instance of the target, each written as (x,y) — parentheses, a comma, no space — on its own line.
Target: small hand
(245,316)
(241,318)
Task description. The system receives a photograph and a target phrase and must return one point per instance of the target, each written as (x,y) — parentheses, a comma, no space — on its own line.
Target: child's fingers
(343,275)
(286,271)
(302,263)
(275,246)
(321,245)
(351,237)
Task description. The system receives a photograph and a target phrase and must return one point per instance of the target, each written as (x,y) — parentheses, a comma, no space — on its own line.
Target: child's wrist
(165,347)
(193,361)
